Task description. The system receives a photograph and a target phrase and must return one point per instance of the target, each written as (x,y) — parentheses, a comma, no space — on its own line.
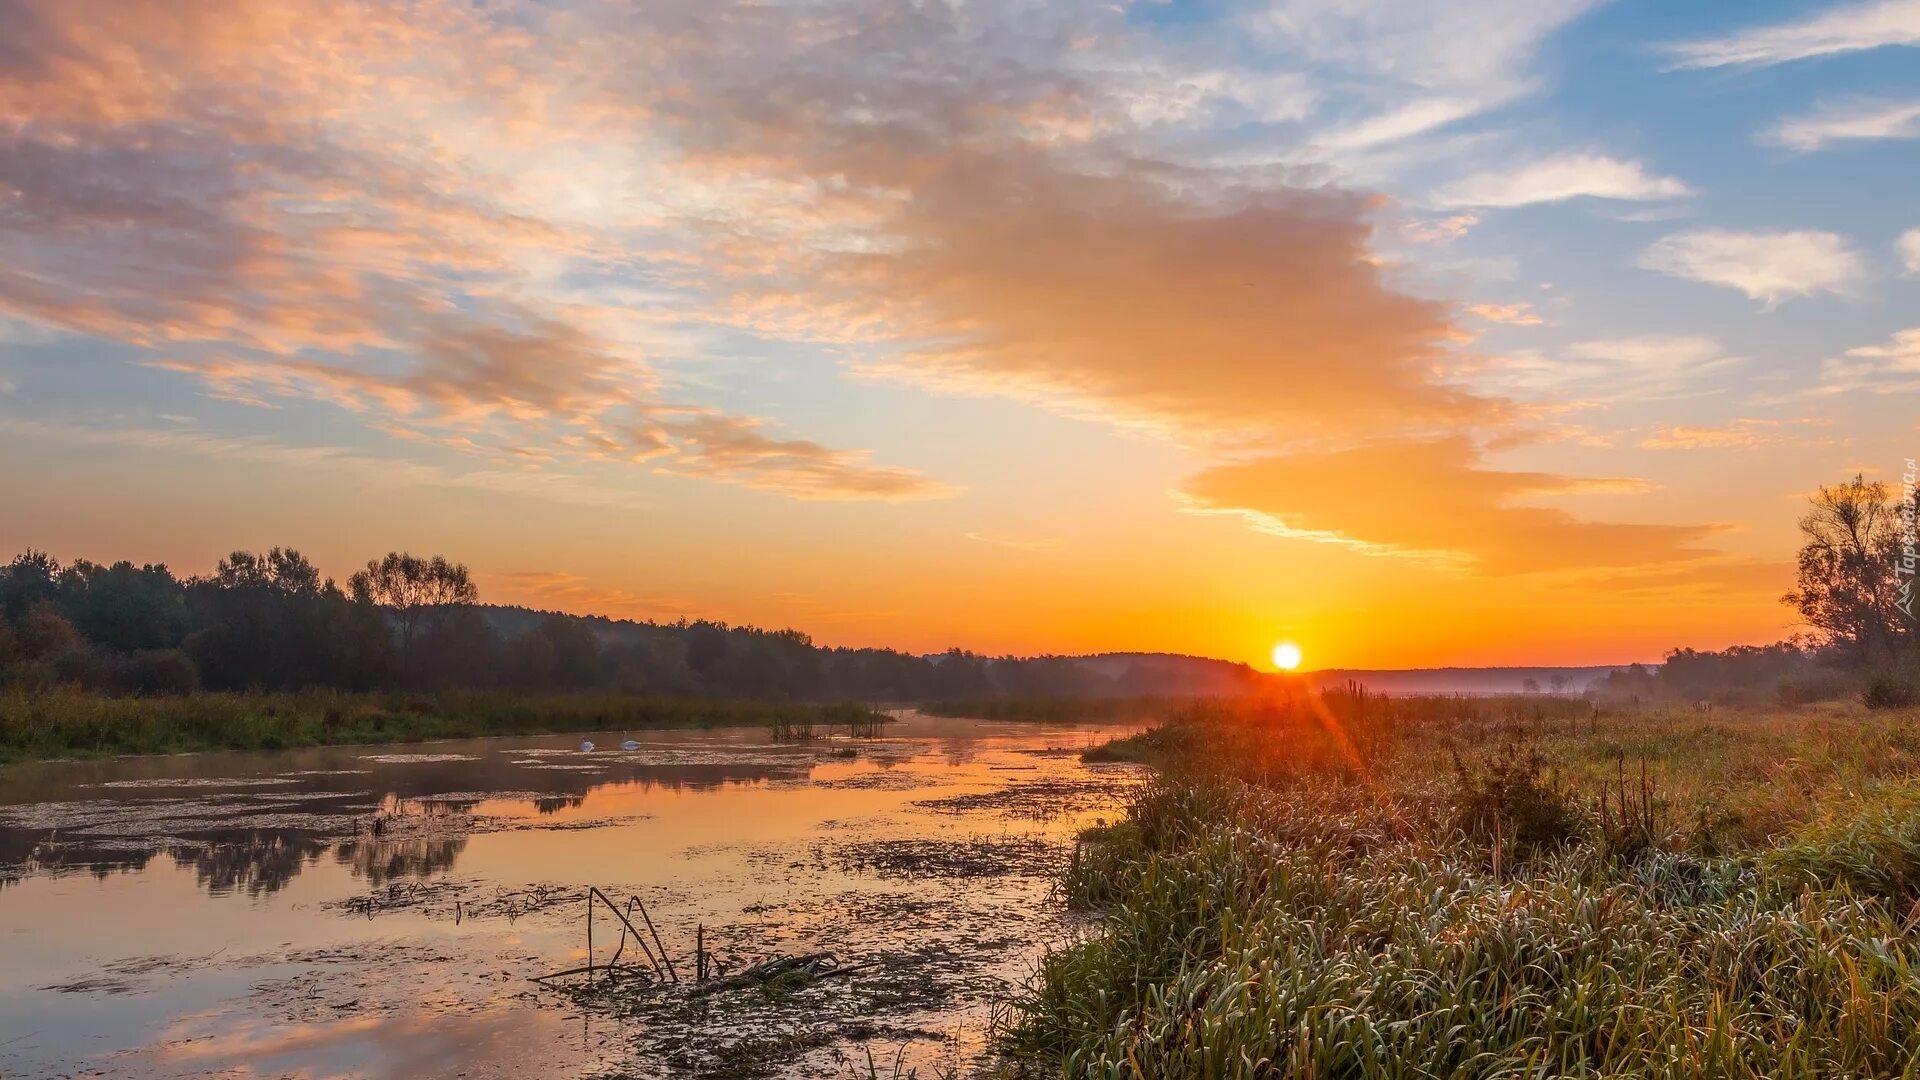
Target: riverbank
(1421,887)
(69,723)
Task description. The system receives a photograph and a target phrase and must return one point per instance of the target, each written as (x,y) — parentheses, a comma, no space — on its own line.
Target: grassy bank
(65,723)
(1436,887)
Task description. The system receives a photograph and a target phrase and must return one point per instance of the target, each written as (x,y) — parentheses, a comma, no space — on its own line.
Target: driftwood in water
(815,966)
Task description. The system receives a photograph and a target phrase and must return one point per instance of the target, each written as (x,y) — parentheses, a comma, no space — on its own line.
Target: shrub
(1889,692)
(1512,797)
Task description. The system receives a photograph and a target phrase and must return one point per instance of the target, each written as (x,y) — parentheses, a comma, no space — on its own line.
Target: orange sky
(1055,328)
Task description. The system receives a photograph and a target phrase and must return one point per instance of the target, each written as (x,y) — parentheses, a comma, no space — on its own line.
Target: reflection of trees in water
(262,863)
(48,858)
(553,804)
(381,861)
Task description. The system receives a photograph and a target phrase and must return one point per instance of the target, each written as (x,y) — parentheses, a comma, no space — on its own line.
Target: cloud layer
(490,227)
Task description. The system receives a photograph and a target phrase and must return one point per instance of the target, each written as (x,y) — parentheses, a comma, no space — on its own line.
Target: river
(381,912)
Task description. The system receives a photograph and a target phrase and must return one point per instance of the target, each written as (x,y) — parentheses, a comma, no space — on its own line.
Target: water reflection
(234,925)
(251,823)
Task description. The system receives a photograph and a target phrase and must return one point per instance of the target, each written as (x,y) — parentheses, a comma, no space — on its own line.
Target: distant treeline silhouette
(272,622)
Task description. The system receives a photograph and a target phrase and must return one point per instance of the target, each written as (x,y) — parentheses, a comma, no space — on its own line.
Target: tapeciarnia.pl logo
(1903,567)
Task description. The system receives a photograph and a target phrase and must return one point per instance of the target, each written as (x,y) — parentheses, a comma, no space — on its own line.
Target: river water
(380,911)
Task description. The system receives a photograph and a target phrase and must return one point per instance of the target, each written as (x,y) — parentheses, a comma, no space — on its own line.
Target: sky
(1495,332)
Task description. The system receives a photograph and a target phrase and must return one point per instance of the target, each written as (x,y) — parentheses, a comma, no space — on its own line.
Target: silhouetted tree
(31,579)
(123,606)
(268,621)
(1847,587)
(415,591)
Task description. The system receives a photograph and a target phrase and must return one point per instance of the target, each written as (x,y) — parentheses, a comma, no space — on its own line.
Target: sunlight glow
(1286,656)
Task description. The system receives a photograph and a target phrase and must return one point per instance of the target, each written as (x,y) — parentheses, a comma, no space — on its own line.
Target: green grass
(67,723)
(1449,888)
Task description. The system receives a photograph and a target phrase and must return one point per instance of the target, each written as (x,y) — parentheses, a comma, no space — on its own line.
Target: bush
(1511,797)
(1889,692)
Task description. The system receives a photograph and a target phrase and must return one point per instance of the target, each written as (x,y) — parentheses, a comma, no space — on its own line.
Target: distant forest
(272,622)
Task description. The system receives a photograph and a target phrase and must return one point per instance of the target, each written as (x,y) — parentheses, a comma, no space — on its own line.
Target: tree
(1848,590)
(1558,682)
(267,621)
(283,571)
(125,607)
(1531,686)
(417,591)
(30,580)
(44,633)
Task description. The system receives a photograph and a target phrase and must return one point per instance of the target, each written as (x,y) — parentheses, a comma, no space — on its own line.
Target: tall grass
(1318,890)
(67,723)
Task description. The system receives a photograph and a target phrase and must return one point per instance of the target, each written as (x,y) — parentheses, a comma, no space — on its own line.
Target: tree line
(271,621)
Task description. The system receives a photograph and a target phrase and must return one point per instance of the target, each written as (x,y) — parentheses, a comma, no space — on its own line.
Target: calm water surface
(378,911)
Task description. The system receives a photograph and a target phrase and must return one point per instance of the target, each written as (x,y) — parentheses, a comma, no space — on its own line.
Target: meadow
(76,723)
(1357,886)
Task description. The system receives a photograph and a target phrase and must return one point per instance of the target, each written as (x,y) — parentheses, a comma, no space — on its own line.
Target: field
(1438,887)
(73,723)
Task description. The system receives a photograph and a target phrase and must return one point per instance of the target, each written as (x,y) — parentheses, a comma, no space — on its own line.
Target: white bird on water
(586,746)
(630,744)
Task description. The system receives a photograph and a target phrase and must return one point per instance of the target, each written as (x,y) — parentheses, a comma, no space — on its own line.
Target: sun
(1286,656)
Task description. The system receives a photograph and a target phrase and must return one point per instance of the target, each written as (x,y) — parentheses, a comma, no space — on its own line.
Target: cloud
(1103,296)
(1908,247)
(1611,370)
(1769,266)
(474,381)
(1562,177)
(735,450)
(1890,368)
(1861,120)
(1521,314)
(472,225)
(1440,230)
(1741,434)
(1835,30)
(571,489)
(1434,499)
(1424,67)
(578,594)
(349,202)
(1032,544)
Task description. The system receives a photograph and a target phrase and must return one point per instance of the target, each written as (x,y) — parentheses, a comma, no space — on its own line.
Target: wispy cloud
(1018,543)
(1839,29)
(1769,266)
(1425,67)
(1521,314)
(1647,366)
(547,486)
(1436,499)
(580,595)
(1889,368)
(1562,177)
(1908,248)
(1742,434)
(1856,121)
